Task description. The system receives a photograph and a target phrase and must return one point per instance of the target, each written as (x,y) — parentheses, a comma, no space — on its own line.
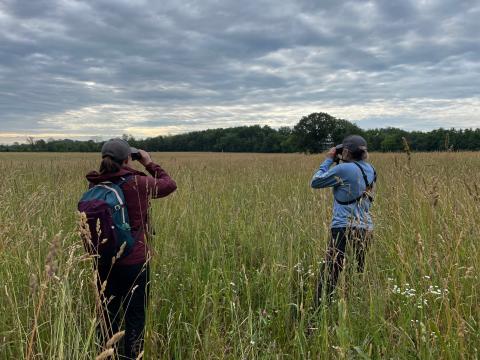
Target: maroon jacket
(138,191)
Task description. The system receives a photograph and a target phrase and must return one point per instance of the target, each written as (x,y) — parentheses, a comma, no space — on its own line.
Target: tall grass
(236,254)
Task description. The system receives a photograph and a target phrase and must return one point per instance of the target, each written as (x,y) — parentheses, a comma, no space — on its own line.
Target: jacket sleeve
(160,184)
(326,177)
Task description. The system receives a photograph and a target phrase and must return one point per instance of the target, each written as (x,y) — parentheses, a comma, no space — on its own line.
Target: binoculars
(136,156)
(338,153)
(339,150)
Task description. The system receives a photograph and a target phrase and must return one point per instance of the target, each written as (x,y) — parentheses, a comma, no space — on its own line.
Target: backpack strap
(116,188)
(367,187)
(120,198)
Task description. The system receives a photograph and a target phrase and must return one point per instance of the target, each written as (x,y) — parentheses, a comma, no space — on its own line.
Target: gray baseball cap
(117,149)
(355,143)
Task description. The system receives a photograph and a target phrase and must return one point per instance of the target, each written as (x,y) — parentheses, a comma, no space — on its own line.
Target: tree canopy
(312,134)
(318,131)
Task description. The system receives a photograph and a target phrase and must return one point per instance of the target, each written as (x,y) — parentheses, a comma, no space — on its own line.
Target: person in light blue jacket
(353,185)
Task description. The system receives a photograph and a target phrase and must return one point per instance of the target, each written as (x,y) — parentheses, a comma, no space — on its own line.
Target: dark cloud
(83,68)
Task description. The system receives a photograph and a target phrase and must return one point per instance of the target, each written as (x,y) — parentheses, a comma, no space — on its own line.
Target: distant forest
(313,133)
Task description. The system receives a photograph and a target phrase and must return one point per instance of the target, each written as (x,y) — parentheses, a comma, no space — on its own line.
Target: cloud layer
(82,69)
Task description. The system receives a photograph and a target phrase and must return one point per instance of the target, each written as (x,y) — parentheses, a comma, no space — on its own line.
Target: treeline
(313,133)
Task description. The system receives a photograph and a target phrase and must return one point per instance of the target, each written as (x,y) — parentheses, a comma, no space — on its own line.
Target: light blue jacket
(348,184)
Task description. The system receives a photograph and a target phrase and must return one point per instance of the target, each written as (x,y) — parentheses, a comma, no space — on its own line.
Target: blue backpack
(108,222)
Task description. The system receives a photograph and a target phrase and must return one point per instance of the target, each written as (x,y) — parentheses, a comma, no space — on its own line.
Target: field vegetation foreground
(236,255)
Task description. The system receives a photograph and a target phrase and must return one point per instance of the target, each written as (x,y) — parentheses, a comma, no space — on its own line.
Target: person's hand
(146,159)
(332,153)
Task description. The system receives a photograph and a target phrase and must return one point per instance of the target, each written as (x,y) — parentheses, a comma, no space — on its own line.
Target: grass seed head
(115,338)
(122,249)
(51,261)
(106,354)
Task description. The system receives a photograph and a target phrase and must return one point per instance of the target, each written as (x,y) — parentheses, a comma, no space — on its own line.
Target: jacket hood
(95,177)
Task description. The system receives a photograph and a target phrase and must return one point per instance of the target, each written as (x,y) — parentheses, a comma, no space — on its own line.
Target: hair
(109,165)
(358,155)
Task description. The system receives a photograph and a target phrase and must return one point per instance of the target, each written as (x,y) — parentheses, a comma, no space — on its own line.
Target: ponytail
(109,166)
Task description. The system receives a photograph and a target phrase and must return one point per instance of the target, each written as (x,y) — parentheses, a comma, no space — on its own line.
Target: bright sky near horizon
(97,69)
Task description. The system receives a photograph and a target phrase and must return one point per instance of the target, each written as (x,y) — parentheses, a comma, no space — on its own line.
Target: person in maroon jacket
(126,282)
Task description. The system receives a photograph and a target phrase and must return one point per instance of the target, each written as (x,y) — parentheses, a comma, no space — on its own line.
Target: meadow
(236,254)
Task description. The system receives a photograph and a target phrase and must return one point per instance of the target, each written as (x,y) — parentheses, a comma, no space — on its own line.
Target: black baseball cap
(355,143)
(117,149)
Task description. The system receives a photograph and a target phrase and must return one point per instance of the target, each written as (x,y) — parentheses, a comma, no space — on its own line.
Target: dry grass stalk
(406,148)
(50,269)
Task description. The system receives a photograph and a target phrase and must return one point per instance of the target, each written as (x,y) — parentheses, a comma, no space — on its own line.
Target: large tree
(315,132)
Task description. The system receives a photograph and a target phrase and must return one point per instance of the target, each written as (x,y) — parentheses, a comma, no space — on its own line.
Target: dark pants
(355,238)
(127,289)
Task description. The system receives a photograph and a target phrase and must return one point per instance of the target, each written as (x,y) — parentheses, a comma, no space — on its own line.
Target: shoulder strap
(363,174)
(367,185)
(114,190)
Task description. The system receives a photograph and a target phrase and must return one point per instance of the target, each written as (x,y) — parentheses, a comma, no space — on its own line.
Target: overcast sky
(96,69)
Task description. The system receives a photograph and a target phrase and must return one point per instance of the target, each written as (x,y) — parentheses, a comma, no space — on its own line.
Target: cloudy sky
(95,69)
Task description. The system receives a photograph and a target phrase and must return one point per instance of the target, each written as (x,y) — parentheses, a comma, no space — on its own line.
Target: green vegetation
(312,134)
(236,254)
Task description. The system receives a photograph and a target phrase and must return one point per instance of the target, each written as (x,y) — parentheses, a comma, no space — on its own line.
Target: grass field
(236,254)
